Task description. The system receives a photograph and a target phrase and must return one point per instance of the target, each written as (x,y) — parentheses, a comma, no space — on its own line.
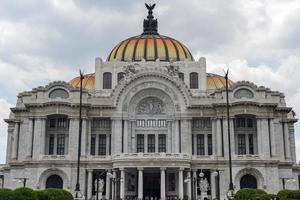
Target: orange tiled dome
(214,81)
(150,47)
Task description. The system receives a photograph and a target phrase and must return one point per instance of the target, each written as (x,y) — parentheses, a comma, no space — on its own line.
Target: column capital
(163,168)
(121,168)
(181,168)
(140,168)
(89,170)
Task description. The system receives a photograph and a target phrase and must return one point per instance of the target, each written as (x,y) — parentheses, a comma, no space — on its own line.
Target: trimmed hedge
(29,194)
(267,196)
(24,194)
(6,194)
(289,194)
(55,194)
(248,193)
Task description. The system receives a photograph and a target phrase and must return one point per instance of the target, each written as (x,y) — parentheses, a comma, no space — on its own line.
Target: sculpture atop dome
(150,24)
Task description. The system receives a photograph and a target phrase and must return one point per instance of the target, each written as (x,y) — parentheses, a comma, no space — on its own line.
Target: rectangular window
(241,144)
(209,144)
(52,123)
(51,144)
(162,143)
(181,76)
(93,145)
(251,146)
(250,123)
(161,123)
(140,143)
(61,122)
(102,145)
(60,144)
(151,143)
(140,123)
(200,144)
(151,123)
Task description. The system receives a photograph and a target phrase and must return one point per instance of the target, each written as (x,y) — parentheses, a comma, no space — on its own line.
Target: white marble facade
(150,102)
(150,134)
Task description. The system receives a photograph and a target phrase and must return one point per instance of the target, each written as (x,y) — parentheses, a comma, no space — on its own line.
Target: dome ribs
(125,48)
(134,49)
(155,47)
(177,53)
(166,49)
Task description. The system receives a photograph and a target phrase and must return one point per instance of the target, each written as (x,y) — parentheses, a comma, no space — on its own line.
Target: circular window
(59,93)
(243,93)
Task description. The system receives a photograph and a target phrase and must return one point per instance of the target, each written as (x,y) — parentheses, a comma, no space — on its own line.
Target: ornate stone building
(155,120)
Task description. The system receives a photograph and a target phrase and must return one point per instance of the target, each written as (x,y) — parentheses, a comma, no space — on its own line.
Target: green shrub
(6,194)
(248,193)
(289,194)
(41,195)
(56,194)
(24,194)
(267,196)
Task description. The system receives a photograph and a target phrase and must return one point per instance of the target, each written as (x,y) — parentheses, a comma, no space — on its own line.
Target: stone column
(287,141)
(213,184)
(42,140)
(15,141)
(29,138)
(125,142)
(180,183)
(169,137)
(117,136)
(162,183)
(114,187)
(90,184)
(133,136)
(186,140)
(218,137)
(107,187)
(195,183)
(189,185)
(232,137)
(122,184)
(140,184)
(273,140)
(176,137)
(83,137)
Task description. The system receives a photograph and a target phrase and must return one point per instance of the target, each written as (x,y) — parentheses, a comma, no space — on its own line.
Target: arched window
(54,181)
(120,76)
(243,93)
(107,80)
(59,93)
(181,76)
(194,80)
(248,181)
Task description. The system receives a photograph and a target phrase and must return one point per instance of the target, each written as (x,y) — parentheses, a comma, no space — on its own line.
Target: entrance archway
(54,181)
(151,185)
(248,181)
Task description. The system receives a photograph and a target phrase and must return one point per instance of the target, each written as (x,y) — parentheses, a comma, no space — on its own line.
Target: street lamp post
(230,194)
(114,180)
(78,194)
(22,180)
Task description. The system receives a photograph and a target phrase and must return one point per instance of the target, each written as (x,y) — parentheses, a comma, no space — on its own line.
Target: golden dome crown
(150,45)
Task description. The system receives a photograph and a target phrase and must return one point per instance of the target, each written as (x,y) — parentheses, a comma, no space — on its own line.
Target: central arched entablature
(149,102)
(155,80)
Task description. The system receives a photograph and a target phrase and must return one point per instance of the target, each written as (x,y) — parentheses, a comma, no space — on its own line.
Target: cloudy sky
(43,41)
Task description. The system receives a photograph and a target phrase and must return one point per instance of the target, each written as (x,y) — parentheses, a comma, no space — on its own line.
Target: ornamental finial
(150,24)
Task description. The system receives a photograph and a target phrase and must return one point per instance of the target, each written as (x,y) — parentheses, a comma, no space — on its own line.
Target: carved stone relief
(150,105)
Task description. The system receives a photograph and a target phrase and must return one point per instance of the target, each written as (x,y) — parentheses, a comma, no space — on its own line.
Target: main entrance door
(151,183)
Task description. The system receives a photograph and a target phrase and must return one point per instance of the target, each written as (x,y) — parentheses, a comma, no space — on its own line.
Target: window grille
(162,143)
(140,143)
(151,143)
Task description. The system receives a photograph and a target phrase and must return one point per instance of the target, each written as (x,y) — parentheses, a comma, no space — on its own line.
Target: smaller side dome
(87,83)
